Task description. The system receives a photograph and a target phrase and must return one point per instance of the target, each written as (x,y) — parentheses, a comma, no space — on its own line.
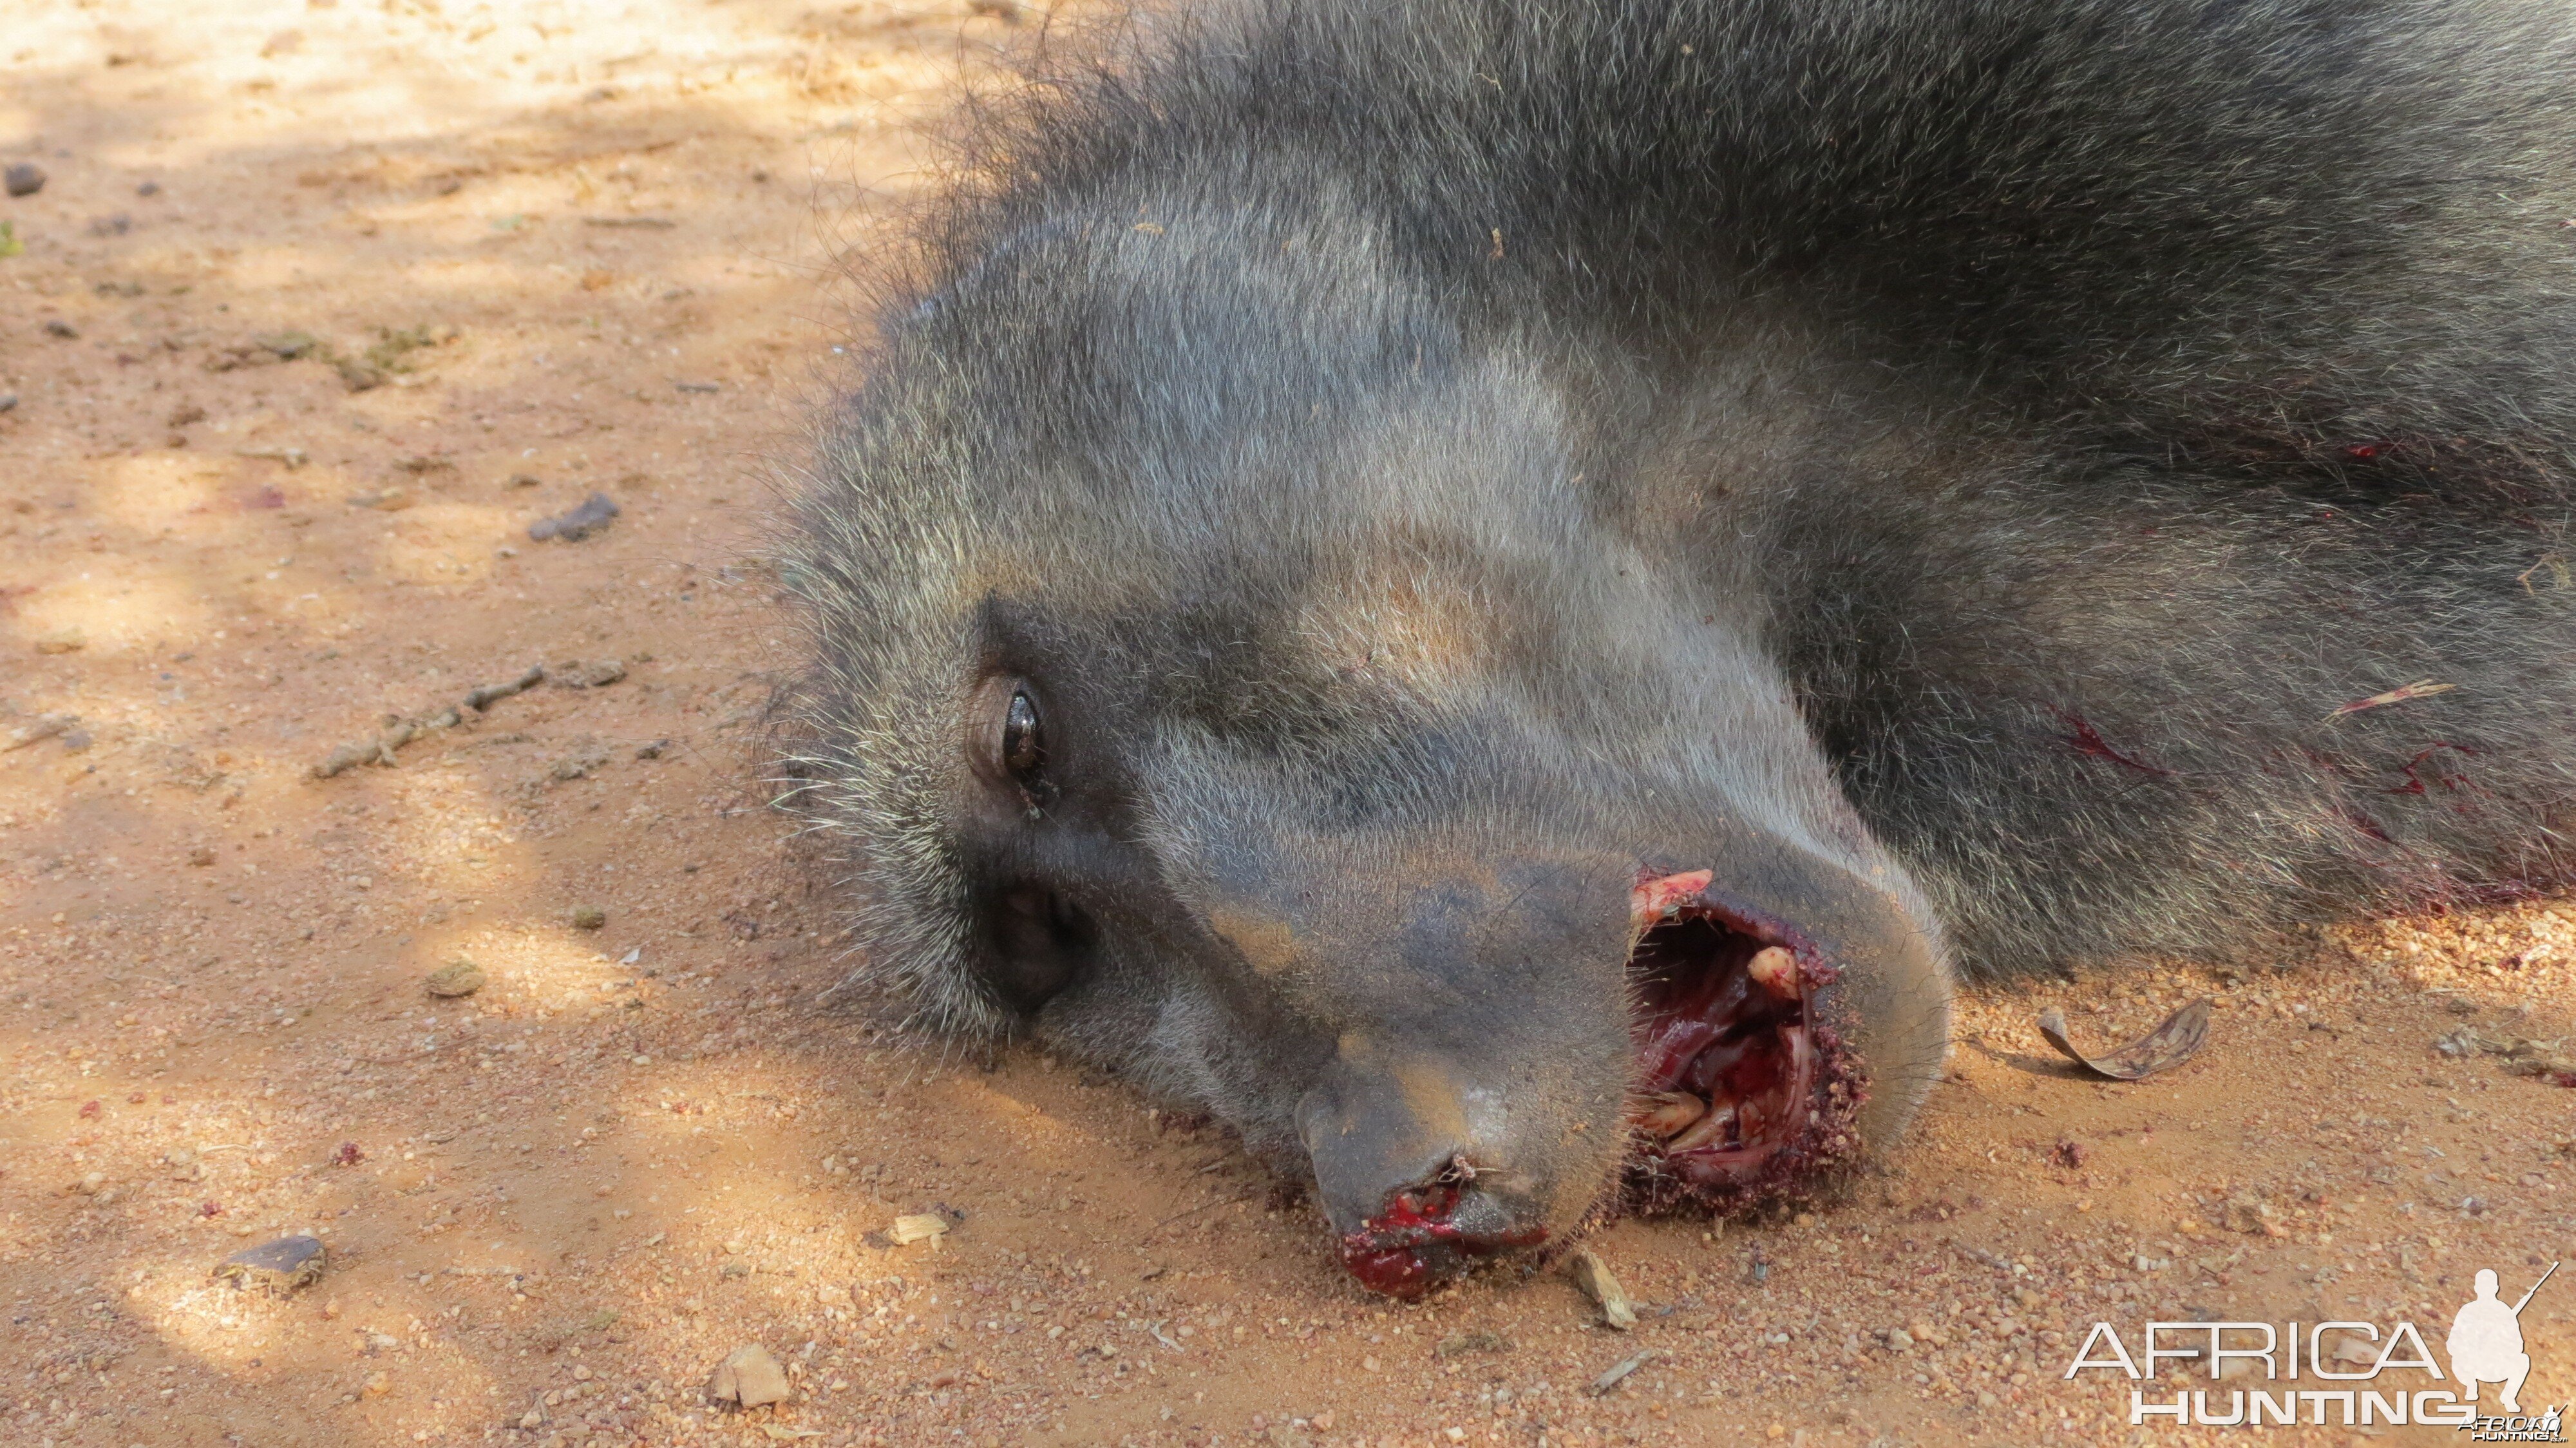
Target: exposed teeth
(1710,1130)
(1775,970)
(1667,1112)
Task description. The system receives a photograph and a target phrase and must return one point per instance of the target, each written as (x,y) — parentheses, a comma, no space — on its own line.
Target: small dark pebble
(593,514)
(148,188)
(652,750)
(24,179)
(696,386)
(57,327)
(116,225)
(278,1267)
(8,401)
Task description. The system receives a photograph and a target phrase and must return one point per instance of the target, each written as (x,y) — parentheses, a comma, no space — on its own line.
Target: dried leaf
(2165,1047)
(2523,1056)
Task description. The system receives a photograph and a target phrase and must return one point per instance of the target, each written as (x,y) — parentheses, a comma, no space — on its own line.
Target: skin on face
(1305,774)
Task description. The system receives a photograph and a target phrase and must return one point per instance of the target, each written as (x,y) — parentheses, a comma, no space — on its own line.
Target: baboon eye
(1023,740)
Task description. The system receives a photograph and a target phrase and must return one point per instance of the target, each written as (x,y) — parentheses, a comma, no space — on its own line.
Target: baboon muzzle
(1737,1060)
(1414,1163)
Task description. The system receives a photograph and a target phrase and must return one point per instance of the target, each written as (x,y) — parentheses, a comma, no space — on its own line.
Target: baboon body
(1992,482)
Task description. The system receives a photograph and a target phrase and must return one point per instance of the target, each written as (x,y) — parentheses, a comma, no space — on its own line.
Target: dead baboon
(1499,594)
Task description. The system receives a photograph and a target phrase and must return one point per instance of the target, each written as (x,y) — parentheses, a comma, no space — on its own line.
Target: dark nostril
(1040,945)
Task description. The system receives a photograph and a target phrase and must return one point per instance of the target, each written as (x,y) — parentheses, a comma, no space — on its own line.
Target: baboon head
(1231,670)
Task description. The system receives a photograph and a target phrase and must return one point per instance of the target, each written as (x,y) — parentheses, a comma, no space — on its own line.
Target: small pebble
(24,179)
(57,327)
(590,516)
(910,1229)
(459,977)
(589,917)
(278,1267)
(751,1377)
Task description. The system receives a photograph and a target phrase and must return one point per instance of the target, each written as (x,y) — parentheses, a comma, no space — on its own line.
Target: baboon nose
(1433,1231)
(1415,1190)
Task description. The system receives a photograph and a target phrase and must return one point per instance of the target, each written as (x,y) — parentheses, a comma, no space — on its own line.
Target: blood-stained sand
(320,308)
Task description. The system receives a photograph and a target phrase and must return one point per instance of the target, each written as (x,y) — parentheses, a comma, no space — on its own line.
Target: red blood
(2088,740)
(2415,782)
(1412,1246)
(1649,898)
(1714,1071)
(1395,1271)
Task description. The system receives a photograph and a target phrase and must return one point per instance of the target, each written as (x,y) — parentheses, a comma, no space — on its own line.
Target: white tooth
(1775,970)
(1709,1130)
(1666,1112)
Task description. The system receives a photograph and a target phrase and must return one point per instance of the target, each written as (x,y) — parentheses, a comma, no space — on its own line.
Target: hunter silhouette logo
(2486,1341)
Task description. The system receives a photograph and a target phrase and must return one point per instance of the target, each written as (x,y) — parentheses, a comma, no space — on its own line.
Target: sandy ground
(319,309)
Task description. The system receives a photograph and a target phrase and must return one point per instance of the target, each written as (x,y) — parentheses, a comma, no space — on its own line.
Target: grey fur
(1969,448)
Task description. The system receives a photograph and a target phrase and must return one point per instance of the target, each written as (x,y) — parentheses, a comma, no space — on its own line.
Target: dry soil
(320,308)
